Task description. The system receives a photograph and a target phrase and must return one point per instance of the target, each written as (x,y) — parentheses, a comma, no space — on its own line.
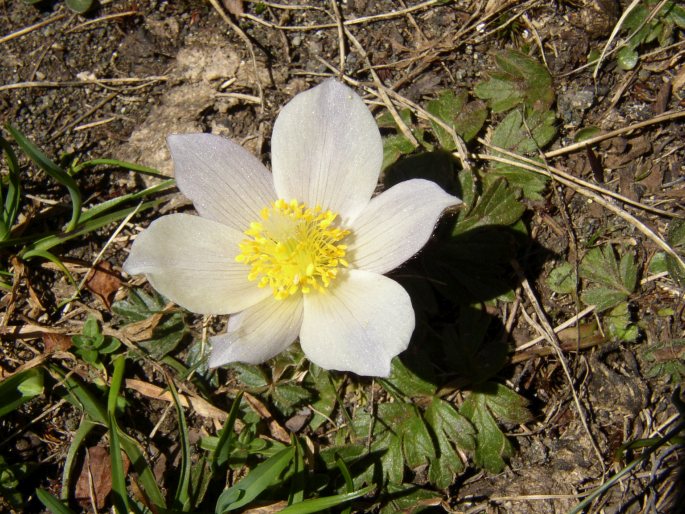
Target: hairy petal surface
(225,182)
(191,261)
(397,224)
(258,333)
(327,150)
(359,325)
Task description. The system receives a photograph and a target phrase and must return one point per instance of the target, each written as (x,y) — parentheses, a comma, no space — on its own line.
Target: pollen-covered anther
(294,248)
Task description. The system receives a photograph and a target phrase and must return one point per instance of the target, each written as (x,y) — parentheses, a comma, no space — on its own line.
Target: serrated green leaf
(417,444)
(525,135)
(616,281)
(492,446)
(446,107)
(394,147)
(620,325)
(288,396)
(562,279)
(520,80)
(505,404)
(602,298)
(250,375)
(409,499)
(407,382)
(497,206)
(443,417)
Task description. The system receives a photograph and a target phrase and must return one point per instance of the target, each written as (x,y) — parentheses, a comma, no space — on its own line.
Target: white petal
(258,333)
(225,182)
(363,322)
(191,261)
(396,225)
(326,150)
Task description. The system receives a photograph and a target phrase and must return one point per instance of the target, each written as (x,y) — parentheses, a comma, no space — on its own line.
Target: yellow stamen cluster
(293,248)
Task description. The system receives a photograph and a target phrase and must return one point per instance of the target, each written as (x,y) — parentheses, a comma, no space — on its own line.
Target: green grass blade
(146,477)
(50,241)
(57,173)
(261,477)
(145,170)
(51,503)
(79,437)
(297,485)
(13,196)
(96,210)
(348,479)
(182,496)
(48,256)
(119,493)
(321,504)
(80,396)
(224,446)
(20,388)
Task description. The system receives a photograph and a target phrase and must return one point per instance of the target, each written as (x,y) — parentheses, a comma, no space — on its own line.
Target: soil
(113,83)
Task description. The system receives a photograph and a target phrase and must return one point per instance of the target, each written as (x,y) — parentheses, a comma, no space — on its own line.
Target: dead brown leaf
(103,282)
(54,342)
(142,330)
(95,479)
(277,431)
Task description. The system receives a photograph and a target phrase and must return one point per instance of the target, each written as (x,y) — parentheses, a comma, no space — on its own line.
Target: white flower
(300,251)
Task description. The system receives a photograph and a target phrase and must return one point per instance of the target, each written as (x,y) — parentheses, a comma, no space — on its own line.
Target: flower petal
(225,182)
(326,150)
(258,333)
(360,325)
(396,225)
(191,260)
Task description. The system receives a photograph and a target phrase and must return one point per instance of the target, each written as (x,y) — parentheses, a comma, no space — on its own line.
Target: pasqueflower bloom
(300,251)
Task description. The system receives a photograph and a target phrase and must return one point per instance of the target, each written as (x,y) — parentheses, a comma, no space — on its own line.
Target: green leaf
(586,133)
(288,396)
(620,324)
(525,135)
(328,502)
(497,206)
(562,279)
(409,499)
(627,58)
(19,389)
(254,377)
(480,407)
(668,360)
(465,118)
(615,281)
(408,383)
(417,444)
(79,6)
(261,477)
(327,395)
(54,171)
(520,79)
(394,147)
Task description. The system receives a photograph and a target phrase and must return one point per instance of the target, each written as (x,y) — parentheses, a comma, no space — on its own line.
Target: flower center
(293,248)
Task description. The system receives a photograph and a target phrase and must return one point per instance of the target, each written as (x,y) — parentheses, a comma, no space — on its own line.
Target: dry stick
(248,43)
(341,34)
(613,35)
(608,135)
(382,90)
(355,21)
(548,332)
(77,83)
(31,28)
(103,18)
(559,174)
(85,115)
(600,200)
